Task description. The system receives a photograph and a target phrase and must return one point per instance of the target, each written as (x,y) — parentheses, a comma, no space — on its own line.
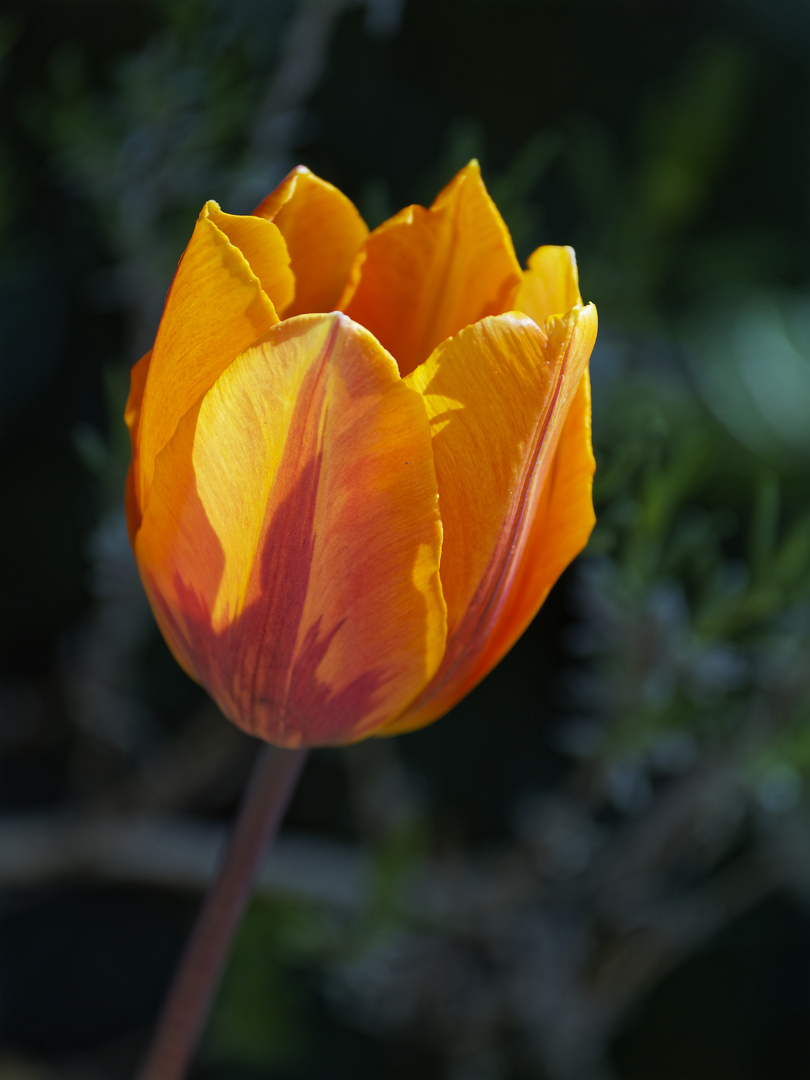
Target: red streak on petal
(255,667)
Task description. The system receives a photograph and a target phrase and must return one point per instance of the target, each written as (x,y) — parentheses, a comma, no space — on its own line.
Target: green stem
(269,790)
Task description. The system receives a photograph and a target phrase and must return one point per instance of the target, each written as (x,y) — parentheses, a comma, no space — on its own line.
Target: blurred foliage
(550,878)
(764,404)
(244,1027)
(706,592)
(638,208)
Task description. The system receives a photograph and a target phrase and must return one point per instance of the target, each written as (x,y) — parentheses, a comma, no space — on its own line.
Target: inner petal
(426,274)
(323,231)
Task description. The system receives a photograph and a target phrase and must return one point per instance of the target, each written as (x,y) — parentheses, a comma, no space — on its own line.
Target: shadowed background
(598,866)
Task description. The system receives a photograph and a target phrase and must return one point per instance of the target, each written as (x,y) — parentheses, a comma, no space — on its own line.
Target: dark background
(597,867)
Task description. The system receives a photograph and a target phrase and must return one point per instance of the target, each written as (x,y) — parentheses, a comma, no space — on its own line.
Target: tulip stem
(268,793)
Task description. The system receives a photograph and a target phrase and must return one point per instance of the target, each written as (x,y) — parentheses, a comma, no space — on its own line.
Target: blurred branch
(170,852)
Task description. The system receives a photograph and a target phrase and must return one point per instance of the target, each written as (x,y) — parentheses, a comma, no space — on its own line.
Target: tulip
(359,460)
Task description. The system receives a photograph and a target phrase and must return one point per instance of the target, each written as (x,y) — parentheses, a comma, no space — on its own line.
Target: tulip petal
(132,415)
(215,308)
(559,531)
(497,396)
(550,285)
(291,542)
(137,383)
(323,231)
(265,250)
(426,274)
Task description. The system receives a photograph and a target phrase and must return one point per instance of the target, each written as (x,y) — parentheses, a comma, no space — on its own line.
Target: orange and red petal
(426,274)
(560,529)
(291,542)
(498,395)
(323,231)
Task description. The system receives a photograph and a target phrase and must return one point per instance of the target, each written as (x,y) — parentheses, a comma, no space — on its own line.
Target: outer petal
(550,285)
(498,395)
(559,530)
(323,231)
(132,415)
(426,274)
(137,383)
(215,308)
(291,542)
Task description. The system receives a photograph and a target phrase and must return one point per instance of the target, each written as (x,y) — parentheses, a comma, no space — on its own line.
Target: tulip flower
(359,460)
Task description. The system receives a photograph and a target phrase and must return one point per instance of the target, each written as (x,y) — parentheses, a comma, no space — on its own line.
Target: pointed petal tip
(425,274)
(323,230)
(586,313)
(550,283)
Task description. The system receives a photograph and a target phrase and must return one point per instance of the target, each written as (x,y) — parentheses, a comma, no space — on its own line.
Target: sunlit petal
(550,285)
(215,308)
(498,395)
(559,531)
(291,541)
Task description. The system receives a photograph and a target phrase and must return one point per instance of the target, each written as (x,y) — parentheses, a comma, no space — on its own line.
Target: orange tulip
(359,460)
